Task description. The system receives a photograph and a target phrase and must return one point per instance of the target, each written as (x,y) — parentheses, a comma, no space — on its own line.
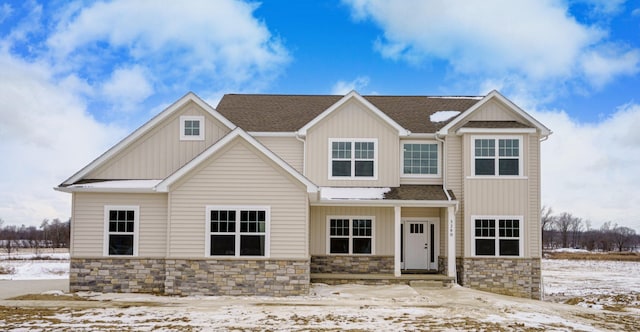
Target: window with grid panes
(121,230)
(237,232)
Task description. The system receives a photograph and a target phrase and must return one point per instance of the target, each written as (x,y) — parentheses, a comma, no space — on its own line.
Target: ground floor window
(121,230)
(350,235)
(237,231)
(497,236)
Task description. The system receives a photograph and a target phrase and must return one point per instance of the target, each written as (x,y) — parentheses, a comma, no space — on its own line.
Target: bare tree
(563,224)
(546,220)
(622,236)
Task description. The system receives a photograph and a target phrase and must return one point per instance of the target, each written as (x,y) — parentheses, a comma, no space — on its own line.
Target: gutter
(444,168)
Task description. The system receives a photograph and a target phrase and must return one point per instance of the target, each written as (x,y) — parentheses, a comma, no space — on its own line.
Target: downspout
(304,153)
(444,168)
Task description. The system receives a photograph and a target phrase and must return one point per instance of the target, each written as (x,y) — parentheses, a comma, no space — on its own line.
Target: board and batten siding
(506,196)
(353,120)
(383,225)
(238,175)
(160,152)
(89,220)
(289,149)
(455,182)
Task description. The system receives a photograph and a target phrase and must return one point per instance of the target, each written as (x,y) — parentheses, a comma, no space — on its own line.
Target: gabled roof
(236,133)
(289,113)
(167,112)
(354,95)
(496,95)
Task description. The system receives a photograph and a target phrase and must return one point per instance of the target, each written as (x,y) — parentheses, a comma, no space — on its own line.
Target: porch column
(396,241)
(451,242)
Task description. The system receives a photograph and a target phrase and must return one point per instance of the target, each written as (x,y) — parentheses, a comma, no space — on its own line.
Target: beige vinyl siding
(88,222)
(455,177)
(494,110)
(534,227)
(383,224)
(353,120)
(289,149)
(238,175)
(506,197)
(160,151)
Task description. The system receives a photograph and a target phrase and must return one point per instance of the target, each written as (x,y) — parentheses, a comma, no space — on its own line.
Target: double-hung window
(191,128)
(420,159)
(353,158)
(350,235)
(237,231)
(121,230)
(497,236)
(500,156)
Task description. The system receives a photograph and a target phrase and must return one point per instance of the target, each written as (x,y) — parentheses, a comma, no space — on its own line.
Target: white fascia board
(238,132)
(496,131)
(106,190)
(384,203)
(144,129)
(421,135)
(495,94)
(353,94)
(272,133)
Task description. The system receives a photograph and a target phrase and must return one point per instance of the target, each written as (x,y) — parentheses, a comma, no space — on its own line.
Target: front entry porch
(420,280)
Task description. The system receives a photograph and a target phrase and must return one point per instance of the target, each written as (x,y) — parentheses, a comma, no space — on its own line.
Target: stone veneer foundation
(117,275)
(509,276)
(272,277)
(351,264)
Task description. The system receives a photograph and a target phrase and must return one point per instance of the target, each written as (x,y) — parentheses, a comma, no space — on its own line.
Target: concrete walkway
(12,288)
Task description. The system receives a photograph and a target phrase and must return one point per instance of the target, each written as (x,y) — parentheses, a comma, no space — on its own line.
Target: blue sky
(75,77)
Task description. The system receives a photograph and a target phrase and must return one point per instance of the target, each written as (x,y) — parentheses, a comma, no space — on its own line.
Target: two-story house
(267,193)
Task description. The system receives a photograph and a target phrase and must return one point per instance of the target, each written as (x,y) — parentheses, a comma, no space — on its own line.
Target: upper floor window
(353,158)
(121,230)
(500,156)
(497,236)
(237,231)
(420,159)
(191,128)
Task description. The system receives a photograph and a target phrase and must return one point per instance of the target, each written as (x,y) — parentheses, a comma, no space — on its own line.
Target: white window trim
(353,159)
(497,157)
(439,167)
(184,137)
(350,218)
(497,238)
(136,228)
(237,233)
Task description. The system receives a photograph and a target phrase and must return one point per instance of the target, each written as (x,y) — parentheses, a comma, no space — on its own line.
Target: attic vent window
(442,116)
(191,128)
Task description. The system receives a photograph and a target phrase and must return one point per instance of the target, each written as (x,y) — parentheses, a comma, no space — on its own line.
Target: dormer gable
(161,145)
(496,114)
(354,96)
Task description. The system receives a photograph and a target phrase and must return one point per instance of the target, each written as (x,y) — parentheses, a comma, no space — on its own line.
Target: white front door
(421,245)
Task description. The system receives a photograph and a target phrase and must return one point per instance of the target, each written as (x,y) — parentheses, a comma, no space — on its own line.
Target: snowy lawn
(29,266)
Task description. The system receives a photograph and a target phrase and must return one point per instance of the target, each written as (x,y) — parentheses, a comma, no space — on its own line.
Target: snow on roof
(352,193)
(118,184)
(442,116)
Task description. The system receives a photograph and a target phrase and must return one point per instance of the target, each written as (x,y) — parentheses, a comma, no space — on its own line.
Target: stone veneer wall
(352,264)
(119,275)
(270,277)
(510,276)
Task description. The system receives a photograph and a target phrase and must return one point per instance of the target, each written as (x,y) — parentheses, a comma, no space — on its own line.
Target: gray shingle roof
(288,113)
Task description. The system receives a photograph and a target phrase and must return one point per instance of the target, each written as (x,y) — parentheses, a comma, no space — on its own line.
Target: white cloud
(591,170)
(214,41)
(127,87)
(537,41)
(45,136)
(5,11)
(344,87)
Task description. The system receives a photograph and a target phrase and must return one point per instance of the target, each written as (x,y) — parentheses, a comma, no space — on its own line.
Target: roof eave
(385,202)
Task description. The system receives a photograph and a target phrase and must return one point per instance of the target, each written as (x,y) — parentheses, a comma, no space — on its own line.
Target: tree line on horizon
(565,230)
(51,234)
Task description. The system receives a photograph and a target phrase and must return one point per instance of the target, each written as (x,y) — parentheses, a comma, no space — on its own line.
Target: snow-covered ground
(29,266)
(356,307)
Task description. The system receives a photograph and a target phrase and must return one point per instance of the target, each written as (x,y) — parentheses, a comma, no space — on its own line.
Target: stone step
(429,284)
